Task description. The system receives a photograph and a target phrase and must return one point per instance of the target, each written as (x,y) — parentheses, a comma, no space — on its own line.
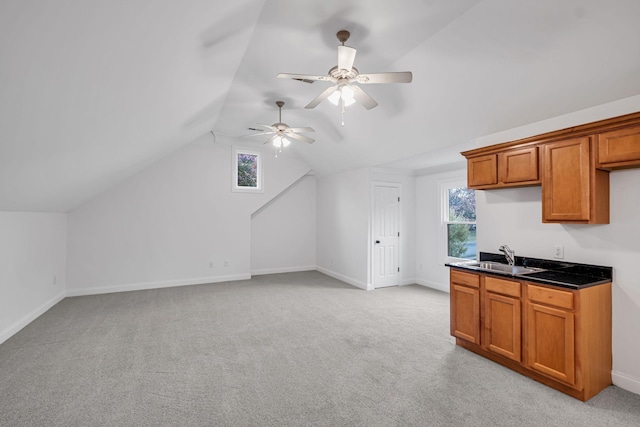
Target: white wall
(166,225)
(343,218)
(32,267)
(283,232)
(430,268)
(407,220)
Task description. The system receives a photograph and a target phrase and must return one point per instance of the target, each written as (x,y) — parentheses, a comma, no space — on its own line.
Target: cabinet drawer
(554,297)
(501,286)
(463,278)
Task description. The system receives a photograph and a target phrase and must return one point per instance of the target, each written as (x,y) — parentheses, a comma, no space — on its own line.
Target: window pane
(462,204)
(247,170)
(461,240)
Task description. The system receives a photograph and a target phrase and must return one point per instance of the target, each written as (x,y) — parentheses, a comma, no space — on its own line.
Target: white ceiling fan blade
(269,130)
(257,134)
(303,77)
(273,138)
(399,77)
(361,96)
(266,126)
(346,56)
(324,95)
(300,137)
(297,130)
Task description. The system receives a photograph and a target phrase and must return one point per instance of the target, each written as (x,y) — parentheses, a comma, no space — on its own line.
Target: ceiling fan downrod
(280,104)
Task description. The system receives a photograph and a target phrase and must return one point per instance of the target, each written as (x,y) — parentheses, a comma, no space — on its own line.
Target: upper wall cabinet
(572,165)
(509,168)
(482,172)
(519,167)
(619,149)
(573,190)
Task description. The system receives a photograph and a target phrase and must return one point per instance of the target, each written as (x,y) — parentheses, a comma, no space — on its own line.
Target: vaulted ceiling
(94,91)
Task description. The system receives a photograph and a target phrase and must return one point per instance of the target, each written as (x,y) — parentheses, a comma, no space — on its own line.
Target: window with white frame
(247,171)
(458,221)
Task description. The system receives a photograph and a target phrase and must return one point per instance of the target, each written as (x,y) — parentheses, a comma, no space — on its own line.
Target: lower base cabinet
(559,337)
(551,333)
(465,306)
(503,319)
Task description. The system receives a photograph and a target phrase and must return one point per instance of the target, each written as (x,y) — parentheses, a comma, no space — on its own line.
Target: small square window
(247,171)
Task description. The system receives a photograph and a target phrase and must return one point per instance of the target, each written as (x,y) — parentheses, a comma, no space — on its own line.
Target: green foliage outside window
(461,236)
(247,170)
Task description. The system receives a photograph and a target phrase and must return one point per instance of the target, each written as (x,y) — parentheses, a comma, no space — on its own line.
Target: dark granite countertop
(555,273)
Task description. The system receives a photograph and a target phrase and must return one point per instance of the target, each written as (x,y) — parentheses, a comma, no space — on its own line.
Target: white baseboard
(156,285)
(30,317)
(282,270)
(433,285)
(625,382)
(346,279)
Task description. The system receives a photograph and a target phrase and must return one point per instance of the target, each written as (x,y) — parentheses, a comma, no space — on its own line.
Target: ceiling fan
(345,75)
(282,133)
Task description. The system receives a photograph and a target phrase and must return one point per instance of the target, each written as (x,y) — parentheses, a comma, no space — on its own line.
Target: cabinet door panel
(518,165)
(550,341)
(482,171)
(465,313)
(619,146)
(503,326)
(566,185)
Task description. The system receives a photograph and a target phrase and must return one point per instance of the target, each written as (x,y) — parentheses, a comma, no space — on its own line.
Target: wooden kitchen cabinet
(559,337)
(572,166)
(482,171)
(550,333)
(502,317)
(509,168)
(519,166)
(619,149)
(573,190)
(465,306)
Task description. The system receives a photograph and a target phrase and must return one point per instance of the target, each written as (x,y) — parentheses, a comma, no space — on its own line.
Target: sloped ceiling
(94,91)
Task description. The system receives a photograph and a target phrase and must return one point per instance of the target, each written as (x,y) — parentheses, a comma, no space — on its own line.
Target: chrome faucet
(509,254)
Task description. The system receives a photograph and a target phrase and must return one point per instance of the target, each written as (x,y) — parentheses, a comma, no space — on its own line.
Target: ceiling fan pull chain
(342,108)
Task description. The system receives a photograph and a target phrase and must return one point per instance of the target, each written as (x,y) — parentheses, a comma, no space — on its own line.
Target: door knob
(377,241)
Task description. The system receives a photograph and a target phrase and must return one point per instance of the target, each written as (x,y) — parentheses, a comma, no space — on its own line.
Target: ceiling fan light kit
(345,91)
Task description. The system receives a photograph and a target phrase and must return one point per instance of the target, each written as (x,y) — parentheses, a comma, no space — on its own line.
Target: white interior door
(386,236)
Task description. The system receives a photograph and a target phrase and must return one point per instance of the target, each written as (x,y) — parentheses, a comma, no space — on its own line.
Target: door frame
(370,252)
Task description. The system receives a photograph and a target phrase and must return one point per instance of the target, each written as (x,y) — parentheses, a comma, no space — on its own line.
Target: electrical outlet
(331,261)
(226,263)
(558,251)
(211,264)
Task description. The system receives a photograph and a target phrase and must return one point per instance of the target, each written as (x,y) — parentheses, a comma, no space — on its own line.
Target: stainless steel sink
(496,267)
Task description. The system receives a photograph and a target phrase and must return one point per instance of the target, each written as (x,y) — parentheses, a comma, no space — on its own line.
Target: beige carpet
(298,349)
